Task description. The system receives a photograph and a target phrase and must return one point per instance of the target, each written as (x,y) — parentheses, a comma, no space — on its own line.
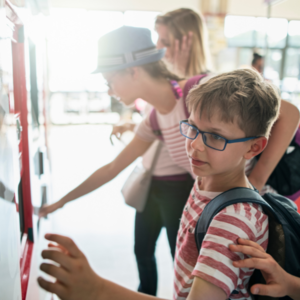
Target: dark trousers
(164,207)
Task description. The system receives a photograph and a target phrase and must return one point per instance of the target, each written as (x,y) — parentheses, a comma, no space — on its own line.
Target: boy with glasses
(230,121)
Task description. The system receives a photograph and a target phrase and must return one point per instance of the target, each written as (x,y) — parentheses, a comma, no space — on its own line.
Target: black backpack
(284,227)
(285,178)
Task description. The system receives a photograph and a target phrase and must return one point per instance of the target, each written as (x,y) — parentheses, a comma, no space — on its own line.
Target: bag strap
(232,196)
(155,157)
(297,137)
(188,86)
(178,94)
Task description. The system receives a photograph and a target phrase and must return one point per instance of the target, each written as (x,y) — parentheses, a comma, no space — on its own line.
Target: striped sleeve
(214,264)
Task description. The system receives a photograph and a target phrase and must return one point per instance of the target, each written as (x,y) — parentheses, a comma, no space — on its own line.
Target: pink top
(174,141)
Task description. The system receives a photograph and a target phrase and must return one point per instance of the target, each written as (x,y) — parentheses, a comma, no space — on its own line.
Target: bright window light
(144,19)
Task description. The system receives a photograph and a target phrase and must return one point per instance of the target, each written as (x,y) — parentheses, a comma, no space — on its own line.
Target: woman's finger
(176,51)
(54,288)
(254,263)
(183,44)
(59,257)
(66,242)
(250,243)
(247,250)
(190,39)
(272,290)
(56,272)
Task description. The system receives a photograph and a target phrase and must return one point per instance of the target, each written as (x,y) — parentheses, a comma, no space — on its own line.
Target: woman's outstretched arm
(132,151)
(282,133)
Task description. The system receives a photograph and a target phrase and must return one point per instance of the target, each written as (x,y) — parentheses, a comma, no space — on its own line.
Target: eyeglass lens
(209,139)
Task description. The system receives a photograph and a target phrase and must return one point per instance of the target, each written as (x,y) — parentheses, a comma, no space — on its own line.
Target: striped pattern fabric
(214,263)
(174,141)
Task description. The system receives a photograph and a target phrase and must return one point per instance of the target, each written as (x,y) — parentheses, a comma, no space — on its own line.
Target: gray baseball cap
(126,47)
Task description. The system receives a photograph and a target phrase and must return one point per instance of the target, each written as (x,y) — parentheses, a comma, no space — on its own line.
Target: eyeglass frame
(203,139)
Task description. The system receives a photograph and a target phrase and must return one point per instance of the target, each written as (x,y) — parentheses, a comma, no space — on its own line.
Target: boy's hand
(49,208)
(75,279)
(277,284)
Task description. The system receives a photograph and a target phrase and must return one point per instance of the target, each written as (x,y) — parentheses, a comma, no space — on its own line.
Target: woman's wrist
(256,183)
(293,289)
(62,202)
(100,289)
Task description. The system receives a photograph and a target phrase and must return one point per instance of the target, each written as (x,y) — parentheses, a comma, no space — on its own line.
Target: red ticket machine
(24,166)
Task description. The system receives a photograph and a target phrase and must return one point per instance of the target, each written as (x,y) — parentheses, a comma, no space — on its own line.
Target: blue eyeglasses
(211,140)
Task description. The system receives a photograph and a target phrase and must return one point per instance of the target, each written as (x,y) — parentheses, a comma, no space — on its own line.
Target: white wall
(289,9)
(150,5)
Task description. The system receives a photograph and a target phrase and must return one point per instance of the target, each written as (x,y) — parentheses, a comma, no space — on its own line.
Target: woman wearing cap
(182,33)
(133,69)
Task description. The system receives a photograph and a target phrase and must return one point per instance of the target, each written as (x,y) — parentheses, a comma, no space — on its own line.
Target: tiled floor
(100,223)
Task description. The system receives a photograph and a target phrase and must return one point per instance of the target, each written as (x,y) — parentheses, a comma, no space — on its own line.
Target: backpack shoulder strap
(189,84)
(232,196)
(154,124)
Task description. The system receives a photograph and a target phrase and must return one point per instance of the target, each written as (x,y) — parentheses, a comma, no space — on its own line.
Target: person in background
(278,282)
(258,63)
(184,35)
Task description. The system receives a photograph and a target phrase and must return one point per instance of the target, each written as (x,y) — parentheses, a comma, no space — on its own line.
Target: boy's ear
(257,146)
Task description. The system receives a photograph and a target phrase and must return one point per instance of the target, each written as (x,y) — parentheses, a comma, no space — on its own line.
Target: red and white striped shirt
(214,263)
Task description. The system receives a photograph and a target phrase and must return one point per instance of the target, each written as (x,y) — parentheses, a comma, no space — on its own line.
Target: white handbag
(135,189)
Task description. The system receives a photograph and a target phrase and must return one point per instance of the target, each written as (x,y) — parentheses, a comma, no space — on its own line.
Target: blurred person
(184,35)
(258,63)
(278,282)
(135,70)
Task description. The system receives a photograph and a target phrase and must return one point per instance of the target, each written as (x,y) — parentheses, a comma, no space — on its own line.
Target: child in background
(230,122)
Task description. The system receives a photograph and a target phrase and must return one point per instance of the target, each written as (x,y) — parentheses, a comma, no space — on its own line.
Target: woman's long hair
(179,23)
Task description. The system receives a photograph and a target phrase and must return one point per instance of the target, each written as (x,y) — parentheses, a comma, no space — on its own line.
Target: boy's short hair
(241,96)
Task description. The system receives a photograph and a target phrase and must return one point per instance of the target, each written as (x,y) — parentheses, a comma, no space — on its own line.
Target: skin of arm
(76,280)
(282,133)
(278,282)
(132,151)
(204,290)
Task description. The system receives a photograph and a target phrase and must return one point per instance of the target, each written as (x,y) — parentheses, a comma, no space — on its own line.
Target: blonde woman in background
(183,33)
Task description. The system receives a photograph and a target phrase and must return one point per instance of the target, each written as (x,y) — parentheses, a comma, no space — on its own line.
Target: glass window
(294,33)
(273,65)
(144,19)
(245,57)
(277,32)
(260,32)
(239,31)
(73,47)
(292,63)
